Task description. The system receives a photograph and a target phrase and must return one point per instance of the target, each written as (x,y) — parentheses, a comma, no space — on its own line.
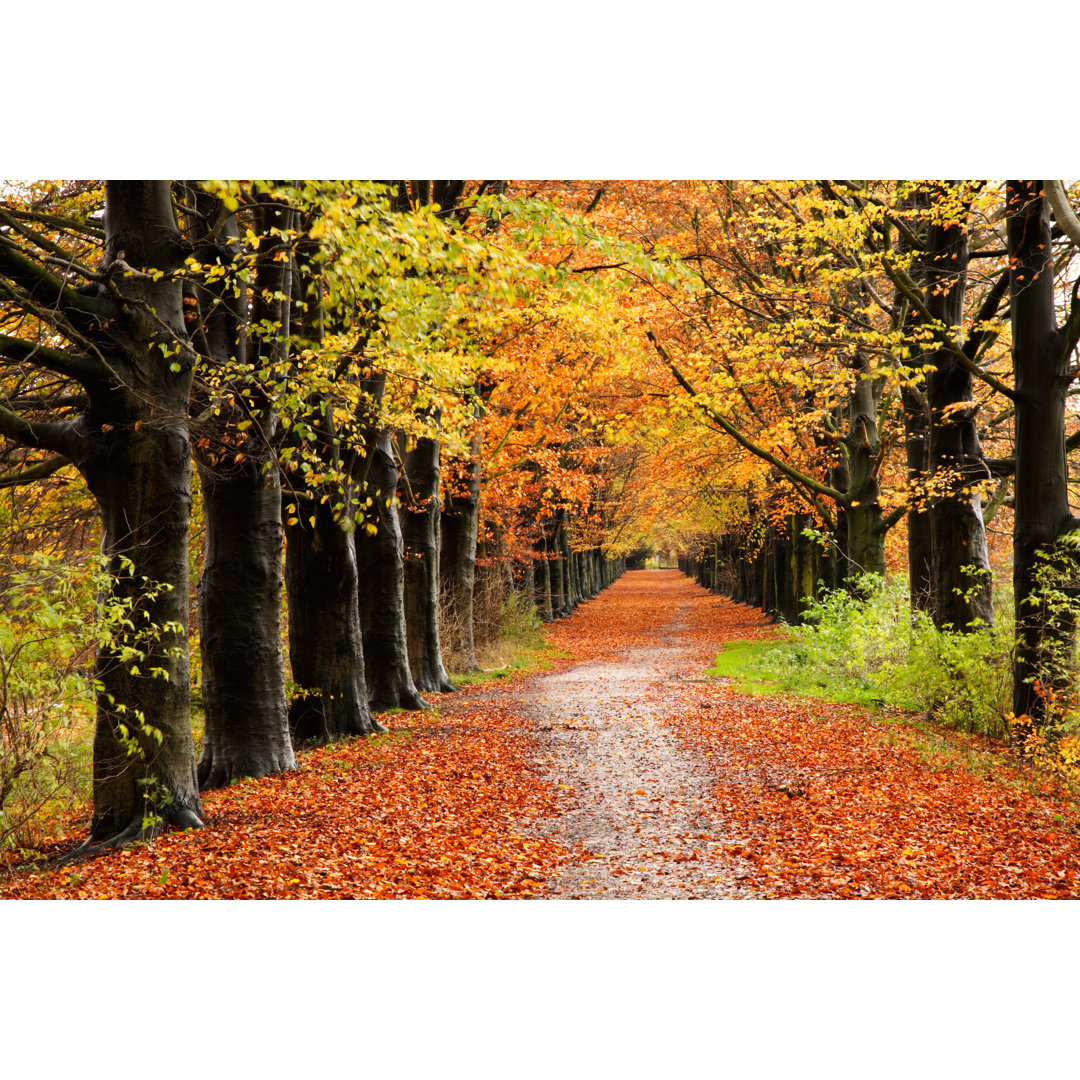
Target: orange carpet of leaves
(432,809)
(825,800)
(834,804)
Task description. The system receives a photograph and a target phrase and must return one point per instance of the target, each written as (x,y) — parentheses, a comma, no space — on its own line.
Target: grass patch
(769,668)
(748,664)
(868,648)
(766,668)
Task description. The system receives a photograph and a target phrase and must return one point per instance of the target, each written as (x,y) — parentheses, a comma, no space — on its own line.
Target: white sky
(567,88)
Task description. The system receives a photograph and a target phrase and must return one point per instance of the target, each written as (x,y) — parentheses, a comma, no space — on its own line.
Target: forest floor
(621,772)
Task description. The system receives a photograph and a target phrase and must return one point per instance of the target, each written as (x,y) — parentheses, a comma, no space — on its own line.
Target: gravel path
(641,805)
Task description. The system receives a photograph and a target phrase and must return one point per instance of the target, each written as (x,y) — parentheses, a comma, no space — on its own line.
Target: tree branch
(987,310)
(1063,212)
(75,367)
(893,517)
(797,478)
(47,287)
(912,293)
(62,438)
(39,471)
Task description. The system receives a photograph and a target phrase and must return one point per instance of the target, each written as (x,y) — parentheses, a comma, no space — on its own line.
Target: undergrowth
(46,697)
(514,644)
(867,647)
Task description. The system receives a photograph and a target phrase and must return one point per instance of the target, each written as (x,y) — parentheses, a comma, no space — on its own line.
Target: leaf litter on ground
(826,801)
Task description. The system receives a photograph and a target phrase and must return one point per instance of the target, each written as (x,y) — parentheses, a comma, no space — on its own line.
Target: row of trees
(311,352)
(912,350)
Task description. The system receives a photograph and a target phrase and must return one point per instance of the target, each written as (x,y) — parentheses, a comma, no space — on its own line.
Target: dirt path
(641,804)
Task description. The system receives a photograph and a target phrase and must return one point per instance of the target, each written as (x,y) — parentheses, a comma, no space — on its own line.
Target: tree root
(139,829)
(410,701)
(374,728)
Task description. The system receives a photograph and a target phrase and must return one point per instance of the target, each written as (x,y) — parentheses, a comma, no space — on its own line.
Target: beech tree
(118,331)
(380,553)
(421,471)
(246,729)
(1042,352)
(944,450)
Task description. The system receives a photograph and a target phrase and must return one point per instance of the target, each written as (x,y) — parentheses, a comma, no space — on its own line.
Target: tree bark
(459,527)
(559,606)
(865,548)
(542,576)
(247,731)
(381,576)
(962,587)
(920,543)
(1040,351)
(420,534)
(325,647)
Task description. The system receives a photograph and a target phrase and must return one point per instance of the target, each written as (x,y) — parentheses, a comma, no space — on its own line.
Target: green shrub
(868,647)
(46,694)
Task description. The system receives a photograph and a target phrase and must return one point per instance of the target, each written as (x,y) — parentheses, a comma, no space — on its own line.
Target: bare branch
(33,473)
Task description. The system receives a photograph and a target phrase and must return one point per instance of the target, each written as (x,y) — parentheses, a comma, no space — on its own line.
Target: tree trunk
(381,574)
(1045,632)
(459,527)
(137,464)
(865,549)
(325,649)
(555,566)
(247,730)
(803,565)
(920,544)
(570,596)
(542,573)
(420,533)
(961,567)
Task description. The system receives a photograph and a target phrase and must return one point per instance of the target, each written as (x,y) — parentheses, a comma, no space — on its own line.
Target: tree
(944,451)
(240,590)
(380,566)
(321,579)
(121,336)
(1042,352)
